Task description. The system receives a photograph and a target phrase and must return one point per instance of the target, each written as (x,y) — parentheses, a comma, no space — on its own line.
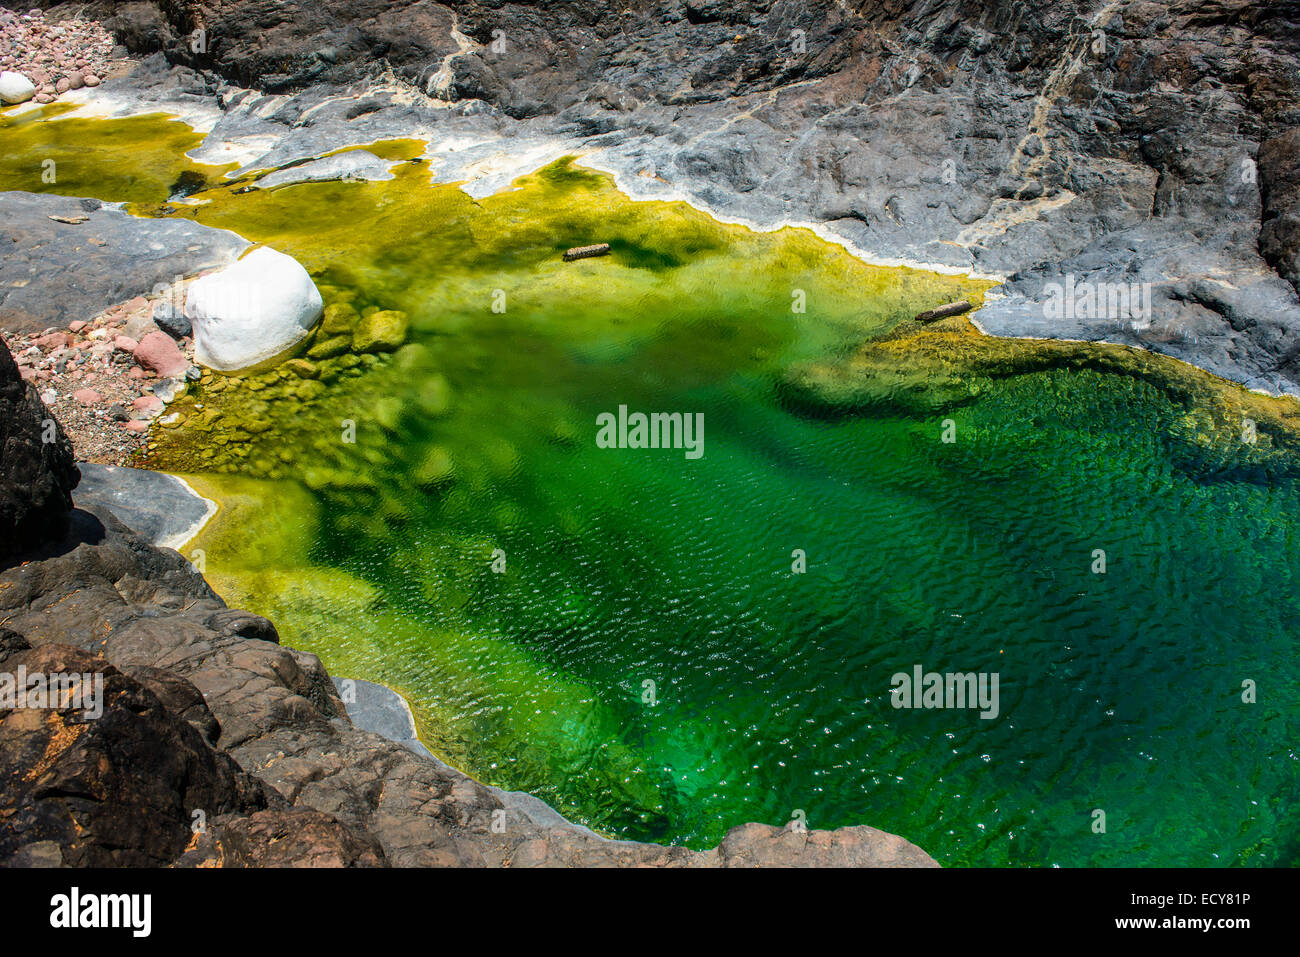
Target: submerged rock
(340,317)
(329,348)
(252,311)
(381,331)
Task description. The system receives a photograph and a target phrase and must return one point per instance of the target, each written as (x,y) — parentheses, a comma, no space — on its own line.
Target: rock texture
(219,747)
(15,88)
(37,468)
(53,273)
(1110,140)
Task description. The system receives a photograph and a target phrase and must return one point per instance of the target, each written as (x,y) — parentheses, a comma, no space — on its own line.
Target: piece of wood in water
(943,312)
(586,252)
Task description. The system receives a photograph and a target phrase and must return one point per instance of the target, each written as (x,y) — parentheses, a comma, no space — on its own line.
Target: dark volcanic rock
(37,468)
(1279,173)
(1017,138)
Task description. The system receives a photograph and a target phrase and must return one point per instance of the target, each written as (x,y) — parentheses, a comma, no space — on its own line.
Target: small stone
(381,331)
(125,344)
(329,348)
(340,317)
(53,340)
(76,325)
(158,351)
(171,320)
(136,425)
(92,80)
(87,397)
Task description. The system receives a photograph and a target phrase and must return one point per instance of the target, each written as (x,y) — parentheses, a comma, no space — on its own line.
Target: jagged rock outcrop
(37,468)
(217,746)
(1104,140)
(1279,173)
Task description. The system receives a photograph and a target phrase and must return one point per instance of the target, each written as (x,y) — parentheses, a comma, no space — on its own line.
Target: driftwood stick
(586,252)
(943,312)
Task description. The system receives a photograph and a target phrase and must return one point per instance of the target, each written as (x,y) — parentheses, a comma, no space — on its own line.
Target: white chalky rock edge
(252,311)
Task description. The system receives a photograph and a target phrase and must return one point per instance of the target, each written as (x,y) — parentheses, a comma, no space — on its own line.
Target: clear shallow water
(1118,691)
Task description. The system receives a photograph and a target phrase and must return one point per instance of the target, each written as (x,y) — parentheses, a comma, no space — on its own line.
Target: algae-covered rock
(381,331)
(329,348)
(434,397)
(435,469)
(302,368)
(310,389)
(388,412)
(340,317)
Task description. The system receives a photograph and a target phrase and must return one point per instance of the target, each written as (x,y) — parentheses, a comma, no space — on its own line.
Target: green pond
(664,646)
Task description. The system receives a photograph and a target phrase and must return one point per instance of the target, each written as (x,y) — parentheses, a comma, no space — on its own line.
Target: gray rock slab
(354,166)
(53,273)
(158,507)
(381,710)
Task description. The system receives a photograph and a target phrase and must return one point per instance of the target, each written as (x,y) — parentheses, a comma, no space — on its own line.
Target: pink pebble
(158,351)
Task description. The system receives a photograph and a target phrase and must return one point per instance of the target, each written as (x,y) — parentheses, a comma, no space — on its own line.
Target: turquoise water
(1119,692)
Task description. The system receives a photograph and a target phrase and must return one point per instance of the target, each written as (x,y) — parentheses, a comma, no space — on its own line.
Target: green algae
(438,519)
(139,159)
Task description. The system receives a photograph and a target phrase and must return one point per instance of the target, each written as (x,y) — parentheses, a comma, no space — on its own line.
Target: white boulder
(15,88)
(252,311)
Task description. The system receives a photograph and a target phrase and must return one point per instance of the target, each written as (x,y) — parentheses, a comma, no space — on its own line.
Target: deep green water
(1118,691)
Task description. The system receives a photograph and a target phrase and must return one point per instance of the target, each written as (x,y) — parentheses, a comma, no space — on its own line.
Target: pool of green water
(664,647)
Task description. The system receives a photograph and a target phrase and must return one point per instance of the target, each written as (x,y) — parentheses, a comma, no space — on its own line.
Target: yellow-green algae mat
(664,647)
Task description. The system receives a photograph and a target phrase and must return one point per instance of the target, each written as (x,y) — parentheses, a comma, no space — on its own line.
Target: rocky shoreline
(1093,145)
(219,747)
(1102,144)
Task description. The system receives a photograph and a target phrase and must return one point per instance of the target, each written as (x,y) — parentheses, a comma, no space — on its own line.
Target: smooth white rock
(15,88)
(252,311)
